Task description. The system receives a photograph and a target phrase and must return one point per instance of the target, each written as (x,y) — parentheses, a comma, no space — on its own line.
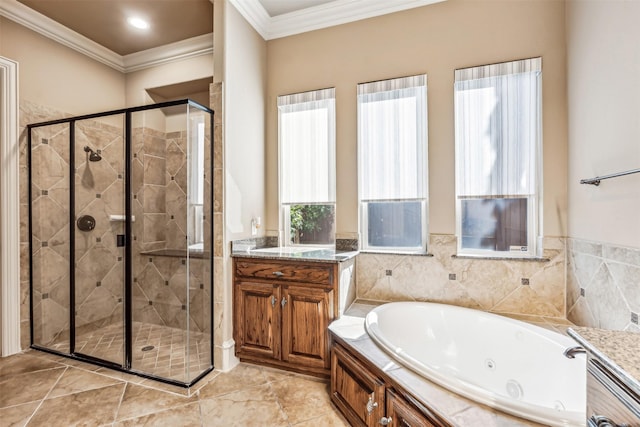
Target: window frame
(534,201)
(284,218)
(363,204)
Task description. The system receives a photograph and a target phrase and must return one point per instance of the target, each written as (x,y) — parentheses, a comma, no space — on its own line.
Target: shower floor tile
(157,350)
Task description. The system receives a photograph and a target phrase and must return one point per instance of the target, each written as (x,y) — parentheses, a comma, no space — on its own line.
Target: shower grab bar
(596,181)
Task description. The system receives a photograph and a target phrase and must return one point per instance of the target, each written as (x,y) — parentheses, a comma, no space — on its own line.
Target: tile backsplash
(603,285)
(506,286)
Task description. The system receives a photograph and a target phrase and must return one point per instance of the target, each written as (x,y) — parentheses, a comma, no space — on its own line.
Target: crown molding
(35,21)
(322,16)
(184,49)
(255,14)
(51,29)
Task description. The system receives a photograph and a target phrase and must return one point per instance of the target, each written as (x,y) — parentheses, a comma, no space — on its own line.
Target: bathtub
(506,364)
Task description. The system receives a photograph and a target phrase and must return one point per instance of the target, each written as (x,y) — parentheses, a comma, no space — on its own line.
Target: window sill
(401,253)
(497,258)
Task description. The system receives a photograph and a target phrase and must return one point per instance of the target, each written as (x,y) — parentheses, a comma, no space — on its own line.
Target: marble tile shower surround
(99,188)
(603,285)
(490,285)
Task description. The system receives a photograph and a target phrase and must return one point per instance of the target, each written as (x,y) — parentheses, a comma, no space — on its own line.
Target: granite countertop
(618,350)
(295,254)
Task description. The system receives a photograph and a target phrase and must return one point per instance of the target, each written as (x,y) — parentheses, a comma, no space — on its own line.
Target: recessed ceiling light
(138,23)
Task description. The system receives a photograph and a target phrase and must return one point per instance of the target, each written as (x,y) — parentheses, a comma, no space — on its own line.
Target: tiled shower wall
(505,286)
(99,189)
(160,295)
(603,285)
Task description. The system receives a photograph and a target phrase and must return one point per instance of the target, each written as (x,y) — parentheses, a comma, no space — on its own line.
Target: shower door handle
(120,240)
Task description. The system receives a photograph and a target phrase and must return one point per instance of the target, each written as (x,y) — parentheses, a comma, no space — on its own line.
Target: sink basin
(288,250)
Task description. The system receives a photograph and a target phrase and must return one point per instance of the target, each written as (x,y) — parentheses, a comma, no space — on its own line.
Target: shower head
(93,156)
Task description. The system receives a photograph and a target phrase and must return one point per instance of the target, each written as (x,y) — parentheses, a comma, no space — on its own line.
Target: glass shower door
(98,238)
(171,195)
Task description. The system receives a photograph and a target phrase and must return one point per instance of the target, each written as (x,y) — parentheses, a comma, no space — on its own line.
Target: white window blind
(498,132)
(307,147)
(392,163)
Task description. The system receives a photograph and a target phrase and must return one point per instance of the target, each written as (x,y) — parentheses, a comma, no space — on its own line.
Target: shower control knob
(385,421)
(86,223)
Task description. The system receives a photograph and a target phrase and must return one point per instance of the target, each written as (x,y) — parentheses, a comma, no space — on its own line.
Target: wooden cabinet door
(257,320)
(401,414)
(357,393)
(306,313)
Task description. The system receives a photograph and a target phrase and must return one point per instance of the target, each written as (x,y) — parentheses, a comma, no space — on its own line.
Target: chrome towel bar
(596,181)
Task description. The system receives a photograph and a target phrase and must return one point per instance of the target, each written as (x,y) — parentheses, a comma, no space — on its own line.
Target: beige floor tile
(250,407)
(183,416)
(331,419)
(76,380)
(28,387)
(15,416)
(302,399)
(272,374)
(240,377)
(24,363)
(138,401)
(87,408)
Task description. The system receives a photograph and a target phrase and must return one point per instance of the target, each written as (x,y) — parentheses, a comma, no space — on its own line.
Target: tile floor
(39,389)
(174,355)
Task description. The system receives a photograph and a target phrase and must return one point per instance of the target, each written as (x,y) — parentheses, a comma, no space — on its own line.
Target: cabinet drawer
(358,393)
(319,274)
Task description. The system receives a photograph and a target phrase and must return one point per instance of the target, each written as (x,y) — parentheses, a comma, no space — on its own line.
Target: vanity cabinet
(282,311)
(367,399)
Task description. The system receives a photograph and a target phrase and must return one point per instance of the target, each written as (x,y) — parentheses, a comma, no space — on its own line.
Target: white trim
(322,16)
(184,49)
(29,18)
(229,360)
(255,14)
(9,208)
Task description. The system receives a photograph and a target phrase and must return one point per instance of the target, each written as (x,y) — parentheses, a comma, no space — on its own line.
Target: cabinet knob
(385,421)
(278,273)
(371,405)
(283,302)
(273,301)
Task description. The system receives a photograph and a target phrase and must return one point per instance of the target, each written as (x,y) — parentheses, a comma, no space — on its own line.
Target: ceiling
(280,7)
(178,28)
(105,21)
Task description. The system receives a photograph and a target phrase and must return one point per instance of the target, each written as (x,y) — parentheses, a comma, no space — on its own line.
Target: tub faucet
(572,351)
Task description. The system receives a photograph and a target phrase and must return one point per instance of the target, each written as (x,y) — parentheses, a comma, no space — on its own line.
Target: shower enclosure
(121,239)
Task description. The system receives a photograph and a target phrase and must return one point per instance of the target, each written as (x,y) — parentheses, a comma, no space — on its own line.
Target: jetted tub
(507,364)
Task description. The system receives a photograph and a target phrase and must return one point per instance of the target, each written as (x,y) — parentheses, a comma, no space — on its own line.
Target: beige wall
(185,70)
(244,115)
(55,76)
(434,39)
(604,120)
(243,79)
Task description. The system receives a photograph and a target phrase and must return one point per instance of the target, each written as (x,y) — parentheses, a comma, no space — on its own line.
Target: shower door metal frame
(125,366)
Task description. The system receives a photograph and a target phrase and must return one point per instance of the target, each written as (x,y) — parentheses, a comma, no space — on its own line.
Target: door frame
(9,208)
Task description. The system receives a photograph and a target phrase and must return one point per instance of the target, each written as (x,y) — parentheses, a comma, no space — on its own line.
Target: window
(392,164)
(196,180)
(498,132)
(306,134)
